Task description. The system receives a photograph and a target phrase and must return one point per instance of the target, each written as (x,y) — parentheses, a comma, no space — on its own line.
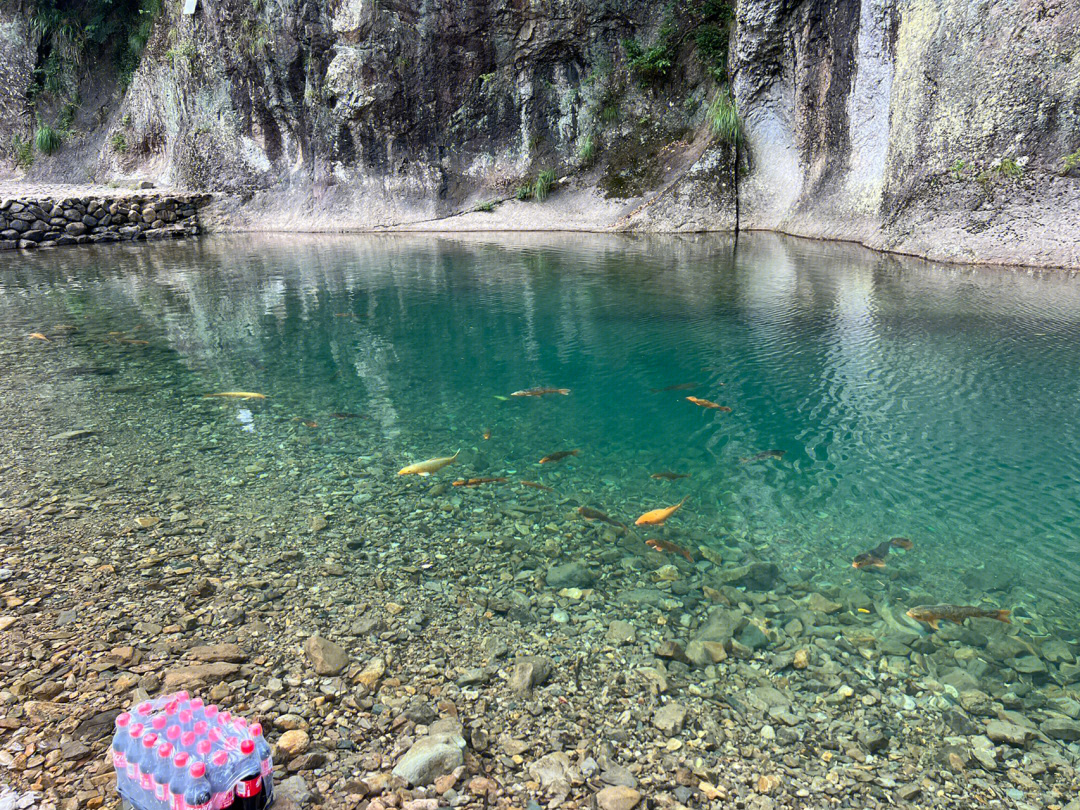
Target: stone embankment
(47,221)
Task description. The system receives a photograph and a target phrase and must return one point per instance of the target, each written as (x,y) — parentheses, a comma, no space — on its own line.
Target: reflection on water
(937,403)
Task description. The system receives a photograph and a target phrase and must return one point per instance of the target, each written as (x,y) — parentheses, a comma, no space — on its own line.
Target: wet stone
(620,632)
(1061,728)
(1010,733)
(326,657)
(670,718)
(530,672)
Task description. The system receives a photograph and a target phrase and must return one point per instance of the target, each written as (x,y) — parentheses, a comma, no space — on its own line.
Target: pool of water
(906,399)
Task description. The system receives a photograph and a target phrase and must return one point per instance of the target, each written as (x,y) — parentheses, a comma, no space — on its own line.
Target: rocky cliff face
(936,127)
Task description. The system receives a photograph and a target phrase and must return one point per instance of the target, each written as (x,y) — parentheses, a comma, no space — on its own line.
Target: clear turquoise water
(937,403)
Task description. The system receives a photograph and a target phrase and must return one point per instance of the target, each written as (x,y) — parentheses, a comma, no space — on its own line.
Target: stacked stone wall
(33,222)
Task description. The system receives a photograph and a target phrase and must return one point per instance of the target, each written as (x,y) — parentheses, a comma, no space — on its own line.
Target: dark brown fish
(669,476)
(347,415)
(867,560)
(932,614)
(535,485)
(875,557)
(680,387)
(558,456)
(475,482)
(667,545)
(594,514)
(765,454)
(539,392)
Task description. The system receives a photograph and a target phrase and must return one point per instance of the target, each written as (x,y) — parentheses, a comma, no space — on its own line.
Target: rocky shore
(401,656)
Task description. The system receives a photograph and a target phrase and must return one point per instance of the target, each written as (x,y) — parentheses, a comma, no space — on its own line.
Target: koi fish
(667,545)
(765,454)
(475,482)
(39,336)
(680,387)
(132,342)
(932,614)
(429,466)
(656,517)
(539,392)
(487,434)
(311,424)
(535,485)
(347,415)
(558,456)
(669,476)
(902,542)
(594,514)
(236,395)
(704,403)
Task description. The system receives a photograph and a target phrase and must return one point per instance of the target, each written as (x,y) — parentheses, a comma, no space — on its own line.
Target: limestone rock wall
(934,127)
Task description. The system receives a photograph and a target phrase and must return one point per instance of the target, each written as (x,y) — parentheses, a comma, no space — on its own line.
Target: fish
(679,387)
(344,315)
(475,482)
(594,514)
(932,614)
(669,476)
(539,392)
(763,455)
(39,336)
(875,557)
(311,424)
(704,403)
(667,545)
(347,415)
(867,560)
(656,517)
(98,371)
(535,485)
(429,466)
(236,395)
(558,456)
(487,434)
(133,342)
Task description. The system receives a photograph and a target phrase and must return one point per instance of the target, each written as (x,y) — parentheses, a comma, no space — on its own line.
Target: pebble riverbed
(409,649)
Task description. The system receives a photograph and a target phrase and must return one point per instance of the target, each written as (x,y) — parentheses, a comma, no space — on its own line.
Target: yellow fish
(236,395)
(39,336)
(429,466)
(656,517)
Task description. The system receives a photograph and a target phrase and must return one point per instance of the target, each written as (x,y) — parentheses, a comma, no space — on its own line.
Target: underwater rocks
(429,758)
(759,576)
(569,575)
(326,657)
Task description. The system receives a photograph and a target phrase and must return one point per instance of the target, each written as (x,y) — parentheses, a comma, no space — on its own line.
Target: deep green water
(938,403)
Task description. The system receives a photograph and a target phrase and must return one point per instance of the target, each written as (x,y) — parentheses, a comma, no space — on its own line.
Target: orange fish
(539,392)
(656,517)
(39,336)
(667,545)
(704,403)
(487,434)
(558,456)
(475,482)
(535,485)
(311,424)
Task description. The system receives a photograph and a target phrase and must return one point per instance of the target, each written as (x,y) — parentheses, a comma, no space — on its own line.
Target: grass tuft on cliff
(47,139)
(723,118)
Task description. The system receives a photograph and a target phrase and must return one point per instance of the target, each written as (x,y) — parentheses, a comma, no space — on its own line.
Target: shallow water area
(870,397)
